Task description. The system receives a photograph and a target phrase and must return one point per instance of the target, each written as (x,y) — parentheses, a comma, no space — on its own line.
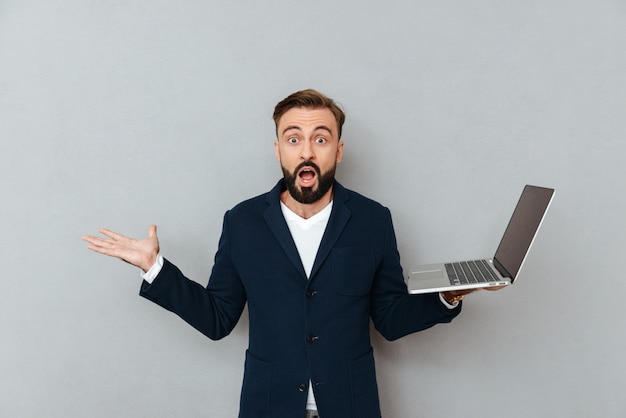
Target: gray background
(121,114)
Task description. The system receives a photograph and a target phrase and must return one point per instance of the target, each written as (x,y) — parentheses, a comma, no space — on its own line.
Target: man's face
(308,149)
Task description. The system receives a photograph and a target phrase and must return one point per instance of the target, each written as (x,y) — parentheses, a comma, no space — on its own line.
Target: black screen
(522,228)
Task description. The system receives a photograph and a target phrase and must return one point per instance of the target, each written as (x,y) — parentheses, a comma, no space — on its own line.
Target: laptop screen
(522,229)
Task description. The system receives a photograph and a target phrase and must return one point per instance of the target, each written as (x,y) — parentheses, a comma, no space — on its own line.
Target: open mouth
(307,176)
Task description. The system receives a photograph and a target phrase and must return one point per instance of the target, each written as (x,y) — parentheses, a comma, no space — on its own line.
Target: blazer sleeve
(214,310)
(395,313)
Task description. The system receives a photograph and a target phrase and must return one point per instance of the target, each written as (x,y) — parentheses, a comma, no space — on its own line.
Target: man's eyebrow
(323,128)
(317,128)
(291,127)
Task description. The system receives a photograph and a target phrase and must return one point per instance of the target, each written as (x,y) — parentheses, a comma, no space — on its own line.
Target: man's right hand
(138,252)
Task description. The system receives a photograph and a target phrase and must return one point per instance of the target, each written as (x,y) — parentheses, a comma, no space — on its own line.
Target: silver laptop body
(508,260)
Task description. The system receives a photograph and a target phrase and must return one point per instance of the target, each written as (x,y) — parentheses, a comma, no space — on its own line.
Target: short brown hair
(311,99)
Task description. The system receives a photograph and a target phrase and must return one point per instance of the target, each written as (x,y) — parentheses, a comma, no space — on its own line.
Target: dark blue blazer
(304,330)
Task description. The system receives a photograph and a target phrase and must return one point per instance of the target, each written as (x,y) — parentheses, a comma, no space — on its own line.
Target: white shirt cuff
(154,271)
(446,304)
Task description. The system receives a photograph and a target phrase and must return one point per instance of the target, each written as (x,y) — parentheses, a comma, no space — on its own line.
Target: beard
(308,195)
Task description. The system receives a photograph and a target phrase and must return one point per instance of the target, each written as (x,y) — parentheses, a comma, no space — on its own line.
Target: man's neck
(306,210)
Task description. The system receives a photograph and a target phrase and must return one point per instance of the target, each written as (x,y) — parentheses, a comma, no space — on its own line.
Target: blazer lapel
(337,222)
(277,224)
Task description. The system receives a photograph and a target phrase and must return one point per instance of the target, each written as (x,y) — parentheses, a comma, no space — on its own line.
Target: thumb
(152,229)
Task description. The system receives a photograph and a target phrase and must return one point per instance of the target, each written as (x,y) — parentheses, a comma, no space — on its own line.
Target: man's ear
(276,150)
(339,152)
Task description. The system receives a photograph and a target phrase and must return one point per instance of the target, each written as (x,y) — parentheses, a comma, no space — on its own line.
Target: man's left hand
(454,296)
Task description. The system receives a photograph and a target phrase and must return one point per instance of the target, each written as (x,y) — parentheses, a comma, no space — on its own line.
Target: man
(313,261)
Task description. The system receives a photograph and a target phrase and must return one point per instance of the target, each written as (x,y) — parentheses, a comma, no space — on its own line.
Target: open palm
(138,252)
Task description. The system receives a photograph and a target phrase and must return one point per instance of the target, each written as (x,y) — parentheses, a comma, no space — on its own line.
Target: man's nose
(307,151)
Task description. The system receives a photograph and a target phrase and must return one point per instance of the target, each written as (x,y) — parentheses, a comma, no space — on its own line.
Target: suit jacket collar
(277,224)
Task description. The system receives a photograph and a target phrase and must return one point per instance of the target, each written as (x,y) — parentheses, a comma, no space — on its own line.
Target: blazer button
(302,387)
(310,338)
(310,293)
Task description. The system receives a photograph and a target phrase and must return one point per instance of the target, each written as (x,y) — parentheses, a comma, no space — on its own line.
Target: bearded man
(314,261)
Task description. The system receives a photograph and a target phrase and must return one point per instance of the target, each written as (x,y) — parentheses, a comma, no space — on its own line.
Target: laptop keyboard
(465,272)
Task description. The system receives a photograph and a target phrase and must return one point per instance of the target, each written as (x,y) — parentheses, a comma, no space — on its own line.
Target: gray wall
(123,114)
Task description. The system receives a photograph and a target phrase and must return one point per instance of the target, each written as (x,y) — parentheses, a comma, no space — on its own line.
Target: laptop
(503,269)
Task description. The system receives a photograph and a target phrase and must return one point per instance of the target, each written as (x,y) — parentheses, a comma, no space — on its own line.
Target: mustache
(310,164)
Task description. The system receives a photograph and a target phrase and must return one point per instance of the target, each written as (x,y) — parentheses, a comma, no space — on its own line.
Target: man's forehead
(300,117)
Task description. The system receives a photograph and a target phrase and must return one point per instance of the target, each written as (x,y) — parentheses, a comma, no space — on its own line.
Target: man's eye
(293,140)
(320,140)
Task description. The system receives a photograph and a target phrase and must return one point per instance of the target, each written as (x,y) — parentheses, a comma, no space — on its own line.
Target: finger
(101,250)
(112,234)
(101,242)
(152,231)
(87,238)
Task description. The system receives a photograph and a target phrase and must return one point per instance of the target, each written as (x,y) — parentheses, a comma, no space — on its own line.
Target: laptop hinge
(501,269)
